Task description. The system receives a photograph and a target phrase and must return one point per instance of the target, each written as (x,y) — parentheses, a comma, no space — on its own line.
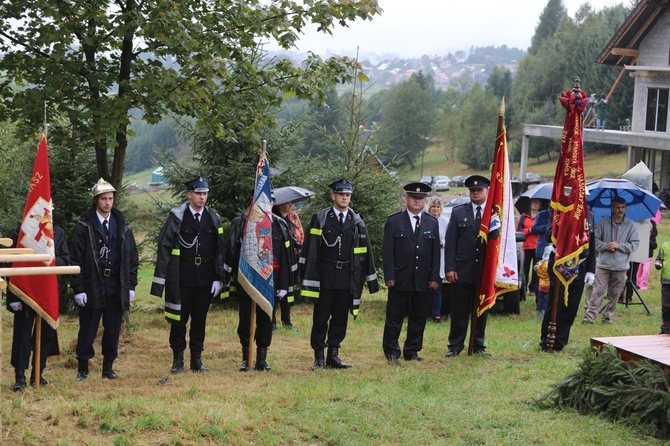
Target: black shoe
(481,351)
(109,374)
(82,371)
(414,357)
(261,363)
(177,362)
(392,360)
(437,319)
(198,366)
(244,367)
(318,360)
(290,326)
(333,360)
(43,382)
(451,354)
(20,382)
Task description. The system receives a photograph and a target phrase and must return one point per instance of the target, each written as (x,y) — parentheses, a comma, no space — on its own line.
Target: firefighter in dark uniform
(462,260)
(336,261)
(102,244)
(411,256)
(189,267)
(23,339)
(283,275)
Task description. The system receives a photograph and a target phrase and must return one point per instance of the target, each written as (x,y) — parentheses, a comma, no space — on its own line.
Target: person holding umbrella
(616,238)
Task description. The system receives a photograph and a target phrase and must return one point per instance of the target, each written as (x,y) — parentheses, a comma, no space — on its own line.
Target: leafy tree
(407,116)
(151,142)
(16,158)
(551,16)
(476,119)
(95,61)
(322,119)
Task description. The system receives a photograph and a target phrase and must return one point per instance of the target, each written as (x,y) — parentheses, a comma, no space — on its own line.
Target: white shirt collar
(101,218)
(411,216)
(193,211)
(337,213)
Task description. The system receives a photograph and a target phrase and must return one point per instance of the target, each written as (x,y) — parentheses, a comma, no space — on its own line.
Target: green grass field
(460,401)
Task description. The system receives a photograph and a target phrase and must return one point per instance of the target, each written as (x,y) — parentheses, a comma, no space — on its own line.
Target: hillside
(596,165)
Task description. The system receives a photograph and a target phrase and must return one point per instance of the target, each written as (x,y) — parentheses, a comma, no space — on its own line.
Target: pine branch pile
(634,393)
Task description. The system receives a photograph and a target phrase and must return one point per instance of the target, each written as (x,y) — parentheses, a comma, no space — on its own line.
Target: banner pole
(252,328)
(37,363)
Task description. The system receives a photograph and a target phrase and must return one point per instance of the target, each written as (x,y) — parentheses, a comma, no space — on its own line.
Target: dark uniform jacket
(462,249)
(411,259)
(85,244)
(283,251)
(324,263)
(62,259)
(173,260)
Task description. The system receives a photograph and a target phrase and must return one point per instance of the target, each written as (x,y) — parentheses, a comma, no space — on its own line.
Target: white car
(441,185)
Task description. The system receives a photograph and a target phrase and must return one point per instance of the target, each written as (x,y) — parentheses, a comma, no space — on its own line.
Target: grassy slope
(461,401)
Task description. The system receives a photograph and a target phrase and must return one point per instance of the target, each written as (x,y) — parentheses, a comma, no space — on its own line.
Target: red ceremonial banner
(499,270)
(570,231)
(36,232)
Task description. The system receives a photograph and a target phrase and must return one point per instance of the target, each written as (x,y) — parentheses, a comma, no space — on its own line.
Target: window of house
(657,110)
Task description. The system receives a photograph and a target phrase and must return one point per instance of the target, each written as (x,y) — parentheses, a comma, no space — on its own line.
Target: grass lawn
(460,401)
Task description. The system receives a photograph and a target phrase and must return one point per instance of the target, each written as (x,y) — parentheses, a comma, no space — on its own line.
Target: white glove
(217,287)
(80,299)
(281,293)
(16,306)
(589,279)
(131,294)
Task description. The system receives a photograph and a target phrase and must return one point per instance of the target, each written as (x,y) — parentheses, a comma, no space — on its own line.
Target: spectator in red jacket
(524,226)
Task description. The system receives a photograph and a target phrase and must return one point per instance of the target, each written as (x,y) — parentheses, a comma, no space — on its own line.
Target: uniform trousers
(333,306)
(565,316)
(616,280)
(285,308)
(263,333)
(23,340)
(415,306)
(89,320)
(194,305)
(462,300)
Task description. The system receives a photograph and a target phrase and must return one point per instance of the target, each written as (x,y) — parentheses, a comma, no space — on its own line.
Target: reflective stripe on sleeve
(312,283)
(159,280)
(361,250)
(316,231)
(175,252)
(308,293)
(371,278)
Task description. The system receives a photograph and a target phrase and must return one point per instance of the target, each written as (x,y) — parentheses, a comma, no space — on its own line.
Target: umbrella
(640,204)
(291,194)
(537,192)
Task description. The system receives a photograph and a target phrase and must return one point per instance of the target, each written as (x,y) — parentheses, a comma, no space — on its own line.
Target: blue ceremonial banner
(256,262)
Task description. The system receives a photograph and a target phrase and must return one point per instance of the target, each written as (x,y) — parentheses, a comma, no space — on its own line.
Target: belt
(198,260)
(338,264)
(108,272)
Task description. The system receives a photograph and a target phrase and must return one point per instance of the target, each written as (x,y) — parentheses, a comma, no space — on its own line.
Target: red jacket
(523,225)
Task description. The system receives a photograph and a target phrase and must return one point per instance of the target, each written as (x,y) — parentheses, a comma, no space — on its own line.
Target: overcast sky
(415,27)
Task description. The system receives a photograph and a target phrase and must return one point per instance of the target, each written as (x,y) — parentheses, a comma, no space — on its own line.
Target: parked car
(441,182)
(426,179)
(533,177)
(458,181)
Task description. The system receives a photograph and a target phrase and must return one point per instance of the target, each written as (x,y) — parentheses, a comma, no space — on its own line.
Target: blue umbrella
(537,192)
(640,203)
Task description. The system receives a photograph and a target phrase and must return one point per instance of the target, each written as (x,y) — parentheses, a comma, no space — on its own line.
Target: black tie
(479,215)
(416,225)
(105,227)
(341,219)
(197,218)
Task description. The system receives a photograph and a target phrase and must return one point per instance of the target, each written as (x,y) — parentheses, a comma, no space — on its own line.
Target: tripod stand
(628,301)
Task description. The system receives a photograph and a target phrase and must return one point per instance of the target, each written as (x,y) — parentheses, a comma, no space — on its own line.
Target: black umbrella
(291,194)
(538,192)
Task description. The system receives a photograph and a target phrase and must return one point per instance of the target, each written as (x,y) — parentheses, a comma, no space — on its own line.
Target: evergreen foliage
(634,393)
